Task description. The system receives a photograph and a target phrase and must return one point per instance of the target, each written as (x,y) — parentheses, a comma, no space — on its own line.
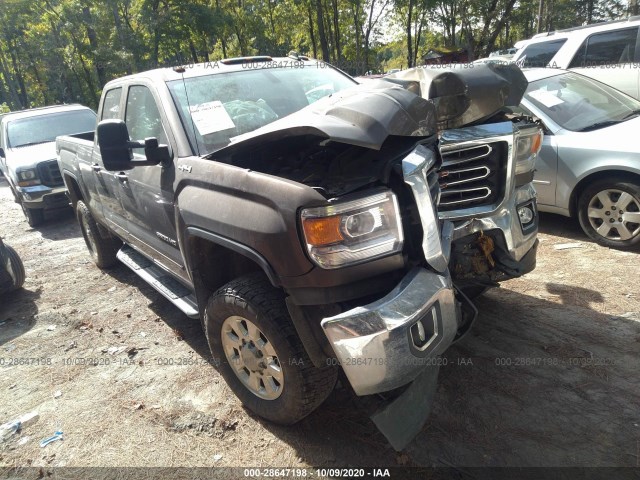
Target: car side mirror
(2,152)
(115,147)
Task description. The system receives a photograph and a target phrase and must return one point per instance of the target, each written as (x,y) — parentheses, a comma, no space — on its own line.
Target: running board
(165,284)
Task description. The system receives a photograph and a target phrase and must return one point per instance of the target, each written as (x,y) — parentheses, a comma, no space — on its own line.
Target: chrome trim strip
(414,169)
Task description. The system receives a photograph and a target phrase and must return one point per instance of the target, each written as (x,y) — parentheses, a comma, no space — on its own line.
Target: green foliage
(64,51)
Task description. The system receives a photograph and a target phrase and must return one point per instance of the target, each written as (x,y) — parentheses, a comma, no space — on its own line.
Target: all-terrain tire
(16,268)
(34,216)
(102,250)
(253,299)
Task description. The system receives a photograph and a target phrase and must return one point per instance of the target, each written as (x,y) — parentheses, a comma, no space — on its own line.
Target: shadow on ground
(17,314)
(561,226)
(528,386)
(535,383)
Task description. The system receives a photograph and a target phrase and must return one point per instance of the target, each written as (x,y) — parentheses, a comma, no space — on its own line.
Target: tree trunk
(409,40)
(336,31)
(356,21)
(93,41)
(321,33)
(15,102)
(24,98)
(540,10)
(121,33)
(192,49)
(312,35)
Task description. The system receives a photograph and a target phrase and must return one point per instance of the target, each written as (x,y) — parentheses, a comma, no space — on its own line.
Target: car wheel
(103,250)
(34,216)
(261,356)
(16,268)
(609,213)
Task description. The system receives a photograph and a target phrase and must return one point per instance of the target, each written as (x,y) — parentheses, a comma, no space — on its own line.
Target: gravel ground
(547,377)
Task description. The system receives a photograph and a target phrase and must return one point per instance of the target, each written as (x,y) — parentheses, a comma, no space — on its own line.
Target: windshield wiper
(32,143)
(596,126)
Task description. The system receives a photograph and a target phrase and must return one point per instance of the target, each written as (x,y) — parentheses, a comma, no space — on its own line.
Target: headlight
(27,178)
(352,232)
(527,148)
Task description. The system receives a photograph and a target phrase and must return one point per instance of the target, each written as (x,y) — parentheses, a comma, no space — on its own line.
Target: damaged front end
(488,159)
(384,307)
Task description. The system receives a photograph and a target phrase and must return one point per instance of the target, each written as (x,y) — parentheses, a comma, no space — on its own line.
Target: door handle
(95,167)
(122,176)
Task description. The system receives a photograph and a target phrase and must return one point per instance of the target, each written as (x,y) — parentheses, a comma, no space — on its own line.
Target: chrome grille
(49,174)
(472,176)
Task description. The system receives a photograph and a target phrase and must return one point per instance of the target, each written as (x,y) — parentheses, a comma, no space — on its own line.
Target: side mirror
(2,152)
(115,147)
(155,153)
(113,140)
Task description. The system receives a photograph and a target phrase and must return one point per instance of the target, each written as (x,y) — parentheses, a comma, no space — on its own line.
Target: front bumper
(386,344)
(41,196)
(519,239)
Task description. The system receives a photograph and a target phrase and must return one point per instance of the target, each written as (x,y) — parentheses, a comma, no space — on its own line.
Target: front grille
(473,176)
(49,174)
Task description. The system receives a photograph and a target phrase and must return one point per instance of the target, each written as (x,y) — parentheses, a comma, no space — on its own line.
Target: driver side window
(142,115)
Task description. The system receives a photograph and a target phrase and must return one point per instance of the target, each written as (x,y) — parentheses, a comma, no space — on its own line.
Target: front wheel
(103,250)
(34,216)
(609,213)
(261,357)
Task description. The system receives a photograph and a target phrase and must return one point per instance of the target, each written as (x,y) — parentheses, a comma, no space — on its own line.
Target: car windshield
(215,108)
(46,127)
(580,104)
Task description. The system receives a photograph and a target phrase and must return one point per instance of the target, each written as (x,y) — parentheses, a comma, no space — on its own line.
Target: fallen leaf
(565,246)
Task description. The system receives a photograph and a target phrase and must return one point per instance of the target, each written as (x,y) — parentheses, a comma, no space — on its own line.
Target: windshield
(580,104)
(215,108)
(46,127)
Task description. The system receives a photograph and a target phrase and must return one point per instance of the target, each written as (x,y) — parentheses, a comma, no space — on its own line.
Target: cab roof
(227,65)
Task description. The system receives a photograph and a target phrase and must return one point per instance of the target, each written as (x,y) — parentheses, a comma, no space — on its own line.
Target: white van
(609,52)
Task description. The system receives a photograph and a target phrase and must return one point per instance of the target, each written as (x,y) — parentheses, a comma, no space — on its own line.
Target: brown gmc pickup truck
(294,212)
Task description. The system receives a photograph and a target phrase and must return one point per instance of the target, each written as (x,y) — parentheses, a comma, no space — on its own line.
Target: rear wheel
(103,250)
(34,216)
(261,357)
(609,213)
(16,268)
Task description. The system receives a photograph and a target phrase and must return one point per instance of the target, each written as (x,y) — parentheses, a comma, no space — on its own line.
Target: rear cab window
(540,54)
(111,104)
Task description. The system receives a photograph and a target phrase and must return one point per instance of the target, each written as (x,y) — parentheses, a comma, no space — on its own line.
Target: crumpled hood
(25,157)
(465,94)
(364,115)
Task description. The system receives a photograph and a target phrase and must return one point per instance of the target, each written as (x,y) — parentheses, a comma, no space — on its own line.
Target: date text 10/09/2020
(318,472)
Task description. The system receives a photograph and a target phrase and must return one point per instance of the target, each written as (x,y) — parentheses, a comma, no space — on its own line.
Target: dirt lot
(549,376)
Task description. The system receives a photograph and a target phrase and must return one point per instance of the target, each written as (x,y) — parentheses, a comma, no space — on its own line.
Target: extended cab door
(147,192)
(102,186)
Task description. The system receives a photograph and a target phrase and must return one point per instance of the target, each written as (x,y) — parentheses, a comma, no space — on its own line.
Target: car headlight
(27,178)
(353,231)
(527,148)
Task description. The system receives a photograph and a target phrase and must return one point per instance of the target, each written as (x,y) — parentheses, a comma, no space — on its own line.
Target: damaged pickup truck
(294,213)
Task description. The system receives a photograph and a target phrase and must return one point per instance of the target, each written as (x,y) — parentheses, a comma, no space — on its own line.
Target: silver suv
(608,52)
